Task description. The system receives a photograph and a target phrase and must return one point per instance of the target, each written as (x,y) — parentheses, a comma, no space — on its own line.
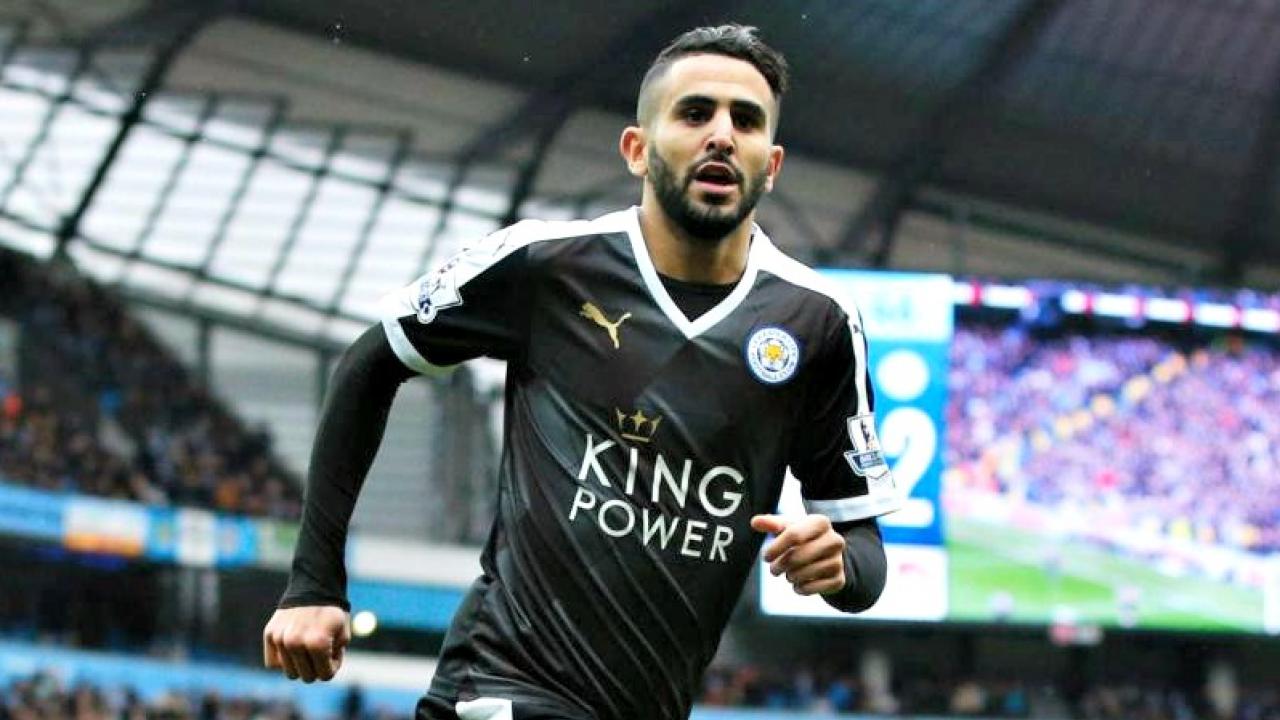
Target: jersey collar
(658,291)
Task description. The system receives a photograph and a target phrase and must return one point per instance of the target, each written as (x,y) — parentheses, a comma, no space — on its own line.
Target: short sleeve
(836,453)
(470,305)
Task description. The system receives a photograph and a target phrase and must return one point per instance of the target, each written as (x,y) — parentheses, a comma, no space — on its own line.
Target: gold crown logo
(636,427)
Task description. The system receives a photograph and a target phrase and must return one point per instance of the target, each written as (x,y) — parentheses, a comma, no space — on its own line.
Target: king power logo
(621,487)
(636,427)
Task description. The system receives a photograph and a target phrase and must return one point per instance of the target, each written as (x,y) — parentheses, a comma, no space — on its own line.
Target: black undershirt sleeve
(351,426)
(865,566)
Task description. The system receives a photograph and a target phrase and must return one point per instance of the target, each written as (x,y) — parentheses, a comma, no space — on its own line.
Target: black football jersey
(638,445)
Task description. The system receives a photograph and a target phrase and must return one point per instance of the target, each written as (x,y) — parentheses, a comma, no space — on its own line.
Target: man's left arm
(836,550)
(843,562)
(865,566)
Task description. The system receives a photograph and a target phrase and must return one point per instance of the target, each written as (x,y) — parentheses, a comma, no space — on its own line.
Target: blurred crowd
(807,691)
(1135,702)
(43,697)
(1189,438)
(98,406)
(1138,702)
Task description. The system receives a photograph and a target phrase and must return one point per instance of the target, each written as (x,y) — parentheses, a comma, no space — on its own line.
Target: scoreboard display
(1061,456)
(909,320)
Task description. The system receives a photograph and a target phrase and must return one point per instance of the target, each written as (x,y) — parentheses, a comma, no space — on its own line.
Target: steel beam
(197,18)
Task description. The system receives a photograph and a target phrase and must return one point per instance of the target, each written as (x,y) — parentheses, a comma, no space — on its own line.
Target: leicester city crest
(773,355)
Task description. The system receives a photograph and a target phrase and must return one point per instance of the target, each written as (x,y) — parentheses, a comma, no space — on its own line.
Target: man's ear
(632,145)
(774,167)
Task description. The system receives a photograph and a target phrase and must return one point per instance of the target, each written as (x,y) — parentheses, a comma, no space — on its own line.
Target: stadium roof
(1156,118)
(1160,117)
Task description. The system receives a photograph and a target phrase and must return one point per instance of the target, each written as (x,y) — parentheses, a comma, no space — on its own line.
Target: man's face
(709,153)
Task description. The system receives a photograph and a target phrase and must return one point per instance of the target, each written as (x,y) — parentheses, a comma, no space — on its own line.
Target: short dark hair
(732,40)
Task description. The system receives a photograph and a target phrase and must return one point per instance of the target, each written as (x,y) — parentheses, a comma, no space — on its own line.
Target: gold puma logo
(594,314)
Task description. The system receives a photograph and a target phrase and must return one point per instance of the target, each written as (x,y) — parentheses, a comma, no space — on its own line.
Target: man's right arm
(475,303)
(308,631)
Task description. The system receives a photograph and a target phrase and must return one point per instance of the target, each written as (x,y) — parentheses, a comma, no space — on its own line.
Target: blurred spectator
(969,698)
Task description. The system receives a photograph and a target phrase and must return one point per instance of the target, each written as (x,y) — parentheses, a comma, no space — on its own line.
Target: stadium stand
(47,694)
(43,697)
(93,376)
(808,691)
(1137,421)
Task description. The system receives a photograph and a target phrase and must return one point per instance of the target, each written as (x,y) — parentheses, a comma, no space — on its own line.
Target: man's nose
(720,139)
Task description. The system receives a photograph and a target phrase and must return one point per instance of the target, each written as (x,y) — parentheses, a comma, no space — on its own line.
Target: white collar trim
(692,329)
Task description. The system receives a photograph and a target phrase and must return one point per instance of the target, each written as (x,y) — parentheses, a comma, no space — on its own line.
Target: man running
(666,365)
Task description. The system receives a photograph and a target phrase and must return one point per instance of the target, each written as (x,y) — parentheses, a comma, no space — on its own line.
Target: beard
(702,221)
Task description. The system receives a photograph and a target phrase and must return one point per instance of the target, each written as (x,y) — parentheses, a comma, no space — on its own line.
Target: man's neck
(677,255)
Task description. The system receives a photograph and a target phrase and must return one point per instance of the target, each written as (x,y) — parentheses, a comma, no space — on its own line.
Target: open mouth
(717,175)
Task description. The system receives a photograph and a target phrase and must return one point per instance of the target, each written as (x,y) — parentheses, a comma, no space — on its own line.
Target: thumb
(768,524)
(342,639)
(338,647)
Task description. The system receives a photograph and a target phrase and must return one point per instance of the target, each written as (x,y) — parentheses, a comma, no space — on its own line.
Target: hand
(307,643)
(807,549)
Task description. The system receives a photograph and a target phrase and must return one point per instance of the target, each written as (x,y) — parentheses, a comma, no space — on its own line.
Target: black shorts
(433,707)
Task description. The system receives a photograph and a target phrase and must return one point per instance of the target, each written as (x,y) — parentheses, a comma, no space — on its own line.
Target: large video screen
(1073,456)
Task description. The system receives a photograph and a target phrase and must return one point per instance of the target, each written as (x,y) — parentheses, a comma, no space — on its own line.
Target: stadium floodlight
(364,623)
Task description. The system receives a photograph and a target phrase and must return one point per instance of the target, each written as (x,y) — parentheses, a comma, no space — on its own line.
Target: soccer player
(666,366)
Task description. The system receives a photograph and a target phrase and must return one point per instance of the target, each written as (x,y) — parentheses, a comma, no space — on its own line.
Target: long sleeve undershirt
(351,427)
(865,566)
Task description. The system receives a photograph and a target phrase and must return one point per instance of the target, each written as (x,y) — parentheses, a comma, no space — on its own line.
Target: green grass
(986,559)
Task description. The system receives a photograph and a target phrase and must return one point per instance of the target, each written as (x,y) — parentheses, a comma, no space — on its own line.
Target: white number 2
(907,435)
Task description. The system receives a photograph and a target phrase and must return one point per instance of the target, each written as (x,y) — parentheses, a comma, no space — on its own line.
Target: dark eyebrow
(694,100)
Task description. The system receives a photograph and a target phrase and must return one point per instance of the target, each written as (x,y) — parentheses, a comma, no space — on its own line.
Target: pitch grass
(987,559)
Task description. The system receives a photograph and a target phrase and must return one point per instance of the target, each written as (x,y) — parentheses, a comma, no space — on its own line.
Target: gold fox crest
(595,315)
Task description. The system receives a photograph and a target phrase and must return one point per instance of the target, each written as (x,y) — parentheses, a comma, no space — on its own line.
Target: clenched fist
(307,643)
(807,549)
